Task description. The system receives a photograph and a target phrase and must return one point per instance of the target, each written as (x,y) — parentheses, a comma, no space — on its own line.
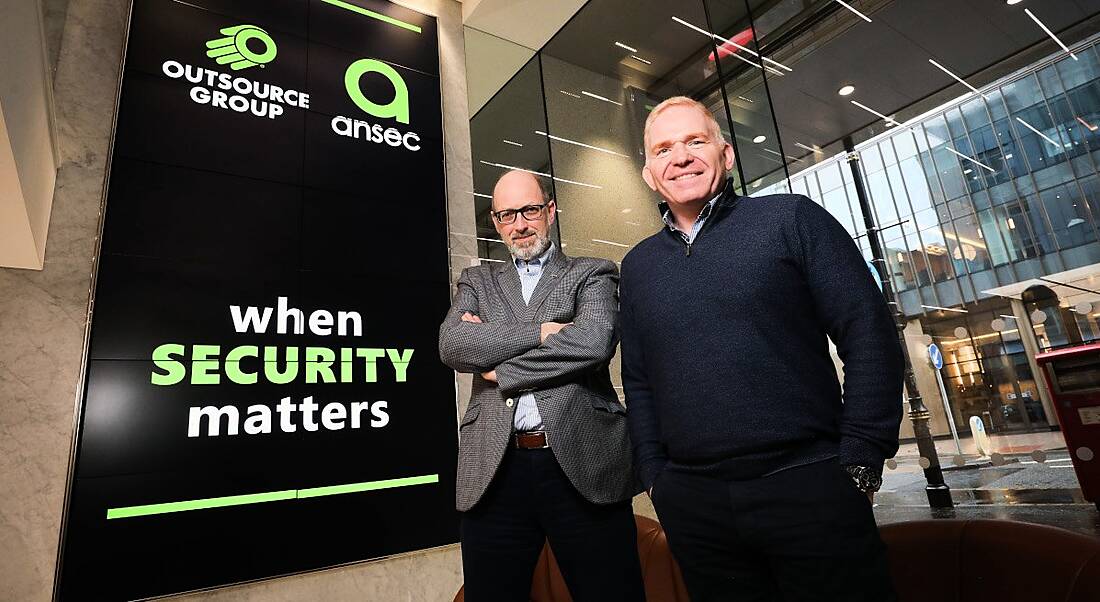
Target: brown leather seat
(930,560)
(659,570)
(991,560)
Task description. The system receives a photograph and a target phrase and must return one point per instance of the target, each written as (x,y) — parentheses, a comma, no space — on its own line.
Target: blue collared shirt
(527,412)
(689,237)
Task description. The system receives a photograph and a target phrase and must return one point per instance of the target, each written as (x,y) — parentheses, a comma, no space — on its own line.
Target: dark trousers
(805,533)
(529,501)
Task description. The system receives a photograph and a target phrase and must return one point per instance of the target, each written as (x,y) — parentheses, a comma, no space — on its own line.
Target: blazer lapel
(556,266)
(507,281)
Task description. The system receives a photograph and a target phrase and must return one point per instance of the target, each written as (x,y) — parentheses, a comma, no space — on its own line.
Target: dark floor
(1017,488)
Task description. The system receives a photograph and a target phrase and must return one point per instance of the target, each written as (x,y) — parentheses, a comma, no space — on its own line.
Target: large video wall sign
(263,394)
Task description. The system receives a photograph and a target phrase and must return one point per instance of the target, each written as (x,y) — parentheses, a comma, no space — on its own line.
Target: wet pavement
(1028,478)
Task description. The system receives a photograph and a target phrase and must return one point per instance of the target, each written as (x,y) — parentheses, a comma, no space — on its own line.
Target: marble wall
(43,316)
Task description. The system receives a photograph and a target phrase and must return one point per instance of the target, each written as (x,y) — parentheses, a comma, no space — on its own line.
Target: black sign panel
(262,393)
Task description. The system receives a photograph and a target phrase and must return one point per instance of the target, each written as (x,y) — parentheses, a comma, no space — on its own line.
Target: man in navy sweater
(761,468)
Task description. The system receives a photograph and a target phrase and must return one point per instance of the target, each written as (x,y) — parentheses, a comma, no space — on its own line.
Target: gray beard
(542,243)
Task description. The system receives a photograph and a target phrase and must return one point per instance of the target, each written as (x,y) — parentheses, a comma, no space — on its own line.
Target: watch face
(865,478)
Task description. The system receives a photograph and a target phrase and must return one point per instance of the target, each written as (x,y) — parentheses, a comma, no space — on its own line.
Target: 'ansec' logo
(398,108)
(233,48)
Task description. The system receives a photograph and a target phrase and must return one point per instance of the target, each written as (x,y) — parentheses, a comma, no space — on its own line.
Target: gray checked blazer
(568,374)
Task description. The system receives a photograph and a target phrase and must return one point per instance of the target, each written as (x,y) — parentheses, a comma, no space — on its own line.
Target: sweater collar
(726,197)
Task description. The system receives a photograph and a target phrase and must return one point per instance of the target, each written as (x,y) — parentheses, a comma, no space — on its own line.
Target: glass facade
(996,188)
(986,203)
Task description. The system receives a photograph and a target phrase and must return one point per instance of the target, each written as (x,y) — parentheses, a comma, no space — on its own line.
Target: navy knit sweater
(725,356)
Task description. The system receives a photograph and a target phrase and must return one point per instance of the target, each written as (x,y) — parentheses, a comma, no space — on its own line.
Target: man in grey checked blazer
(543,450)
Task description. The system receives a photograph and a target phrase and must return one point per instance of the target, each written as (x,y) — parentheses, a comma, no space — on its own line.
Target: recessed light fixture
(506,141)
(748,100)
(889,120)
(1048,32)
(759,139)
(956,77)
(736,56)
(971,159)
(581,144)
(1011,2)
(598,97)
(846,90)
(1037,132)
(625,47)
(609,242)
(961,311)
(538,173)
(640,59)
(849,7)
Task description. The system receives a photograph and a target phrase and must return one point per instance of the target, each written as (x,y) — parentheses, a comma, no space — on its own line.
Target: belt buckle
(545,439)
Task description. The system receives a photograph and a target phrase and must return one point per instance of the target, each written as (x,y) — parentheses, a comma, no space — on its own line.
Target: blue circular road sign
(935,355)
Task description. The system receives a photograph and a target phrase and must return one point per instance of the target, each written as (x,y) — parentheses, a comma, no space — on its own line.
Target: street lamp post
(939,495)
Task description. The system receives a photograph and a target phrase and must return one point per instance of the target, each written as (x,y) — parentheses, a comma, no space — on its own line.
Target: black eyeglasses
(530,213)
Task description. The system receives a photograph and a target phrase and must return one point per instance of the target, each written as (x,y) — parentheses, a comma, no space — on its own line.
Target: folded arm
(469,346)
(581,347)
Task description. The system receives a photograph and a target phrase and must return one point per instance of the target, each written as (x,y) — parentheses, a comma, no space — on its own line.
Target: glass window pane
(904,145)
(916,184)
(881,198)
(991,233)
(1068,215)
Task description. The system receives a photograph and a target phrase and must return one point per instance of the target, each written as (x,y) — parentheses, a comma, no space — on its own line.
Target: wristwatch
(867,479)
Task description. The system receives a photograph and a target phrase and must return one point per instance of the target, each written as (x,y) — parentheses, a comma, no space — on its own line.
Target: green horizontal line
(271,496)
(374,15)
(203,504)
(368,486)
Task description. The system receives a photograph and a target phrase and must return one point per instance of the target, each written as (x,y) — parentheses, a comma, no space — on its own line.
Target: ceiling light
(640,59)
(1049,32)
(967,170)
(957,78)
(849,7)
(510,142)
(608,242)
(539,173)
(1044,136)
(625,47)
(568,94)
(574,142)
(874,112)
(748,100)
(1011,2)
(846,90)
(759,139)
(736,56)
(598,97)
(961,311)
(975,161)
(750,51)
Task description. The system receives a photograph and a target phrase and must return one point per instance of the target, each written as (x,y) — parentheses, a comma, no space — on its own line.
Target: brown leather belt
(531,440)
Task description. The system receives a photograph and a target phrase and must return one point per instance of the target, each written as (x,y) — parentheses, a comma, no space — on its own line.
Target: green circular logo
(233,49)
(241,42)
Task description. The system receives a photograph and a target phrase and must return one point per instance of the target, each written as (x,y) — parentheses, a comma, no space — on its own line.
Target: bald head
(521,183)
(522,214)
